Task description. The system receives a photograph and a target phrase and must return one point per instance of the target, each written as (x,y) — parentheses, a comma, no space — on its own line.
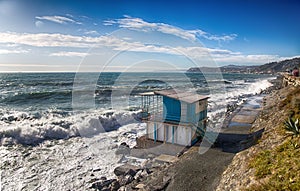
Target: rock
(36,115)
(93,180)
(124,144)
(115,185)
(161,185)
(138,175)
(122,188)
(145,163)
(124,180)
(22,116)
(100,185)
(11,118)
(126,169)
(123,159)
(140,186)
(103,178)
(96,169)
(145,172)
(122,150)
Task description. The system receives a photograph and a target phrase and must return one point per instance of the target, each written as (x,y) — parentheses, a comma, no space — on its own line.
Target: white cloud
(222,56)
(224,38)
(39,23)
(109,22)
(57,19)
(69,54)
(5,51)
(57,40)
(141,25)
(251,59)
(91,32)
(69,15)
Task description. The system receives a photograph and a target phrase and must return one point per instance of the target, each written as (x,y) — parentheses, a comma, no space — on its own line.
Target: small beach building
(175,117)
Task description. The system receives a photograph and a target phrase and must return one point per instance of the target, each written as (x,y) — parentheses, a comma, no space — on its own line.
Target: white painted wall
(150,130)
(182,134)
(160,131)
(169,133)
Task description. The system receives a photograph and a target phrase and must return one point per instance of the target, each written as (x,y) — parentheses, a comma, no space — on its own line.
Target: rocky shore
(213,170)
(240,175)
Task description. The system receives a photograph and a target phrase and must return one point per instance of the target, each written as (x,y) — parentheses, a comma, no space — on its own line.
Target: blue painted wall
(172,109)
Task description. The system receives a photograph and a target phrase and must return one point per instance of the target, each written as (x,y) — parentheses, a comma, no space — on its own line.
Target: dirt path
(195,172)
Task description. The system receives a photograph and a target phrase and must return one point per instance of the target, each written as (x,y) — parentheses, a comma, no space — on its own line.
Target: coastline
(240,175)
(91,161)
(192,171)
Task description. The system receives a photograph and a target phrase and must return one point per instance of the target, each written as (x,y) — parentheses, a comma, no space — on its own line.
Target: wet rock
(36,116)
(126,169)
(11,118)
(22,116)
(124,144)
(96,169)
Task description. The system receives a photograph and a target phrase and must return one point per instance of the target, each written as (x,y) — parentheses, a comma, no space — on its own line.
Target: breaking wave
(31,129)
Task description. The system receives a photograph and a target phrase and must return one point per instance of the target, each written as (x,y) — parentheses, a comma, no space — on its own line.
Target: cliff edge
(273,163)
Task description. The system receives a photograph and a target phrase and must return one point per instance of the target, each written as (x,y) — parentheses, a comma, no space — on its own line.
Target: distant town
(269,68)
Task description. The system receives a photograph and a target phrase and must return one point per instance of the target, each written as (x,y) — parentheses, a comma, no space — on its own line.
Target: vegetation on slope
(278,168)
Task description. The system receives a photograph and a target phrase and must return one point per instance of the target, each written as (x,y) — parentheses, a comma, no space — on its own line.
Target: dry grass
(278,168)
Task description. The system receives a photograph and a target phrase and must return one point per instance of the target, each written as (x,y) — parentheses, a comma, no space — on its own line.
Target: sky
(125,35)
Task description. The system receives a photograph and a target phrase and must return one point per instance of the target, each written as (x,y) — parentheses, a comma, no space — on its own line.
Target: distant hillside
(269,68)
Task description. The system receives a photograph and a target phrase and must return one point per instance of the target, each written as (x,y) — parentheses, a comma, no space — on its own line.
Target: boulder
(100,185)
(126,169)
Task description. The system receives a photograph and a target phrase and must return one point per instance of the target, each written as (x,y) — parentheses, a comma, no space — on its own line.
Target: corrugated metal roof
(188,97)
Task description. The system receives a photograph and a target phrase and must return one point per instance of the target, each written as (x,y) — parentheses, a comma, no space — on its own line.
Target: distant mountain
(269,68)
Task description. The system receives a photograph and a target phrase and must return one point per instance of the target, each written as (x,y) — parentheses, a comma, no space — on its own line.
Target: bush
(292,126)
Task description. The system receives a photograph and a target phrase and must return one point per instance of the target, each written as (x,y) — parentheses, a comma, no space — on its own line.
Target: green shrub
(292,126)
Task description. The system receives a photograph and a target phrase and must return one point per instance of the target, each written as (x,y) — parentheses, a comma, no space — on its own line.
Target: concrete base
(166,158)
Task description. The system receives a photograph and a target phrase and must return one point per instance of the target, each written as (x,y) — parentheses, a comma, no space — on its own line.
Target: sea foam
(31,129)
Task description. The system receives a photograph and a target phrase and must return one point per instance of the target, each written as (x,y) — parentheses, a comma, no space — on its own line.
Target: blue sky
(53,35)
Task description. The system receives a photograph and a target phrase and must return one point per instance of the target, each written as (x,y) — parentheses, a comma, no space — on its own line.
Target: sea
(59,131)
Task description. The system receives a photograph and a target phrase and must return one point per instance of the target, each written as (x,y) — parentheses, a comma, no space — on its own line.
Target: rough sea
(60,130)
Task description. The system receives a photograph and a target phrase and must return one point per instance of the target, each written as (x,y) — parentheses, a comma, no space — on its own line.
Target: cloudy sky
(54,35)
